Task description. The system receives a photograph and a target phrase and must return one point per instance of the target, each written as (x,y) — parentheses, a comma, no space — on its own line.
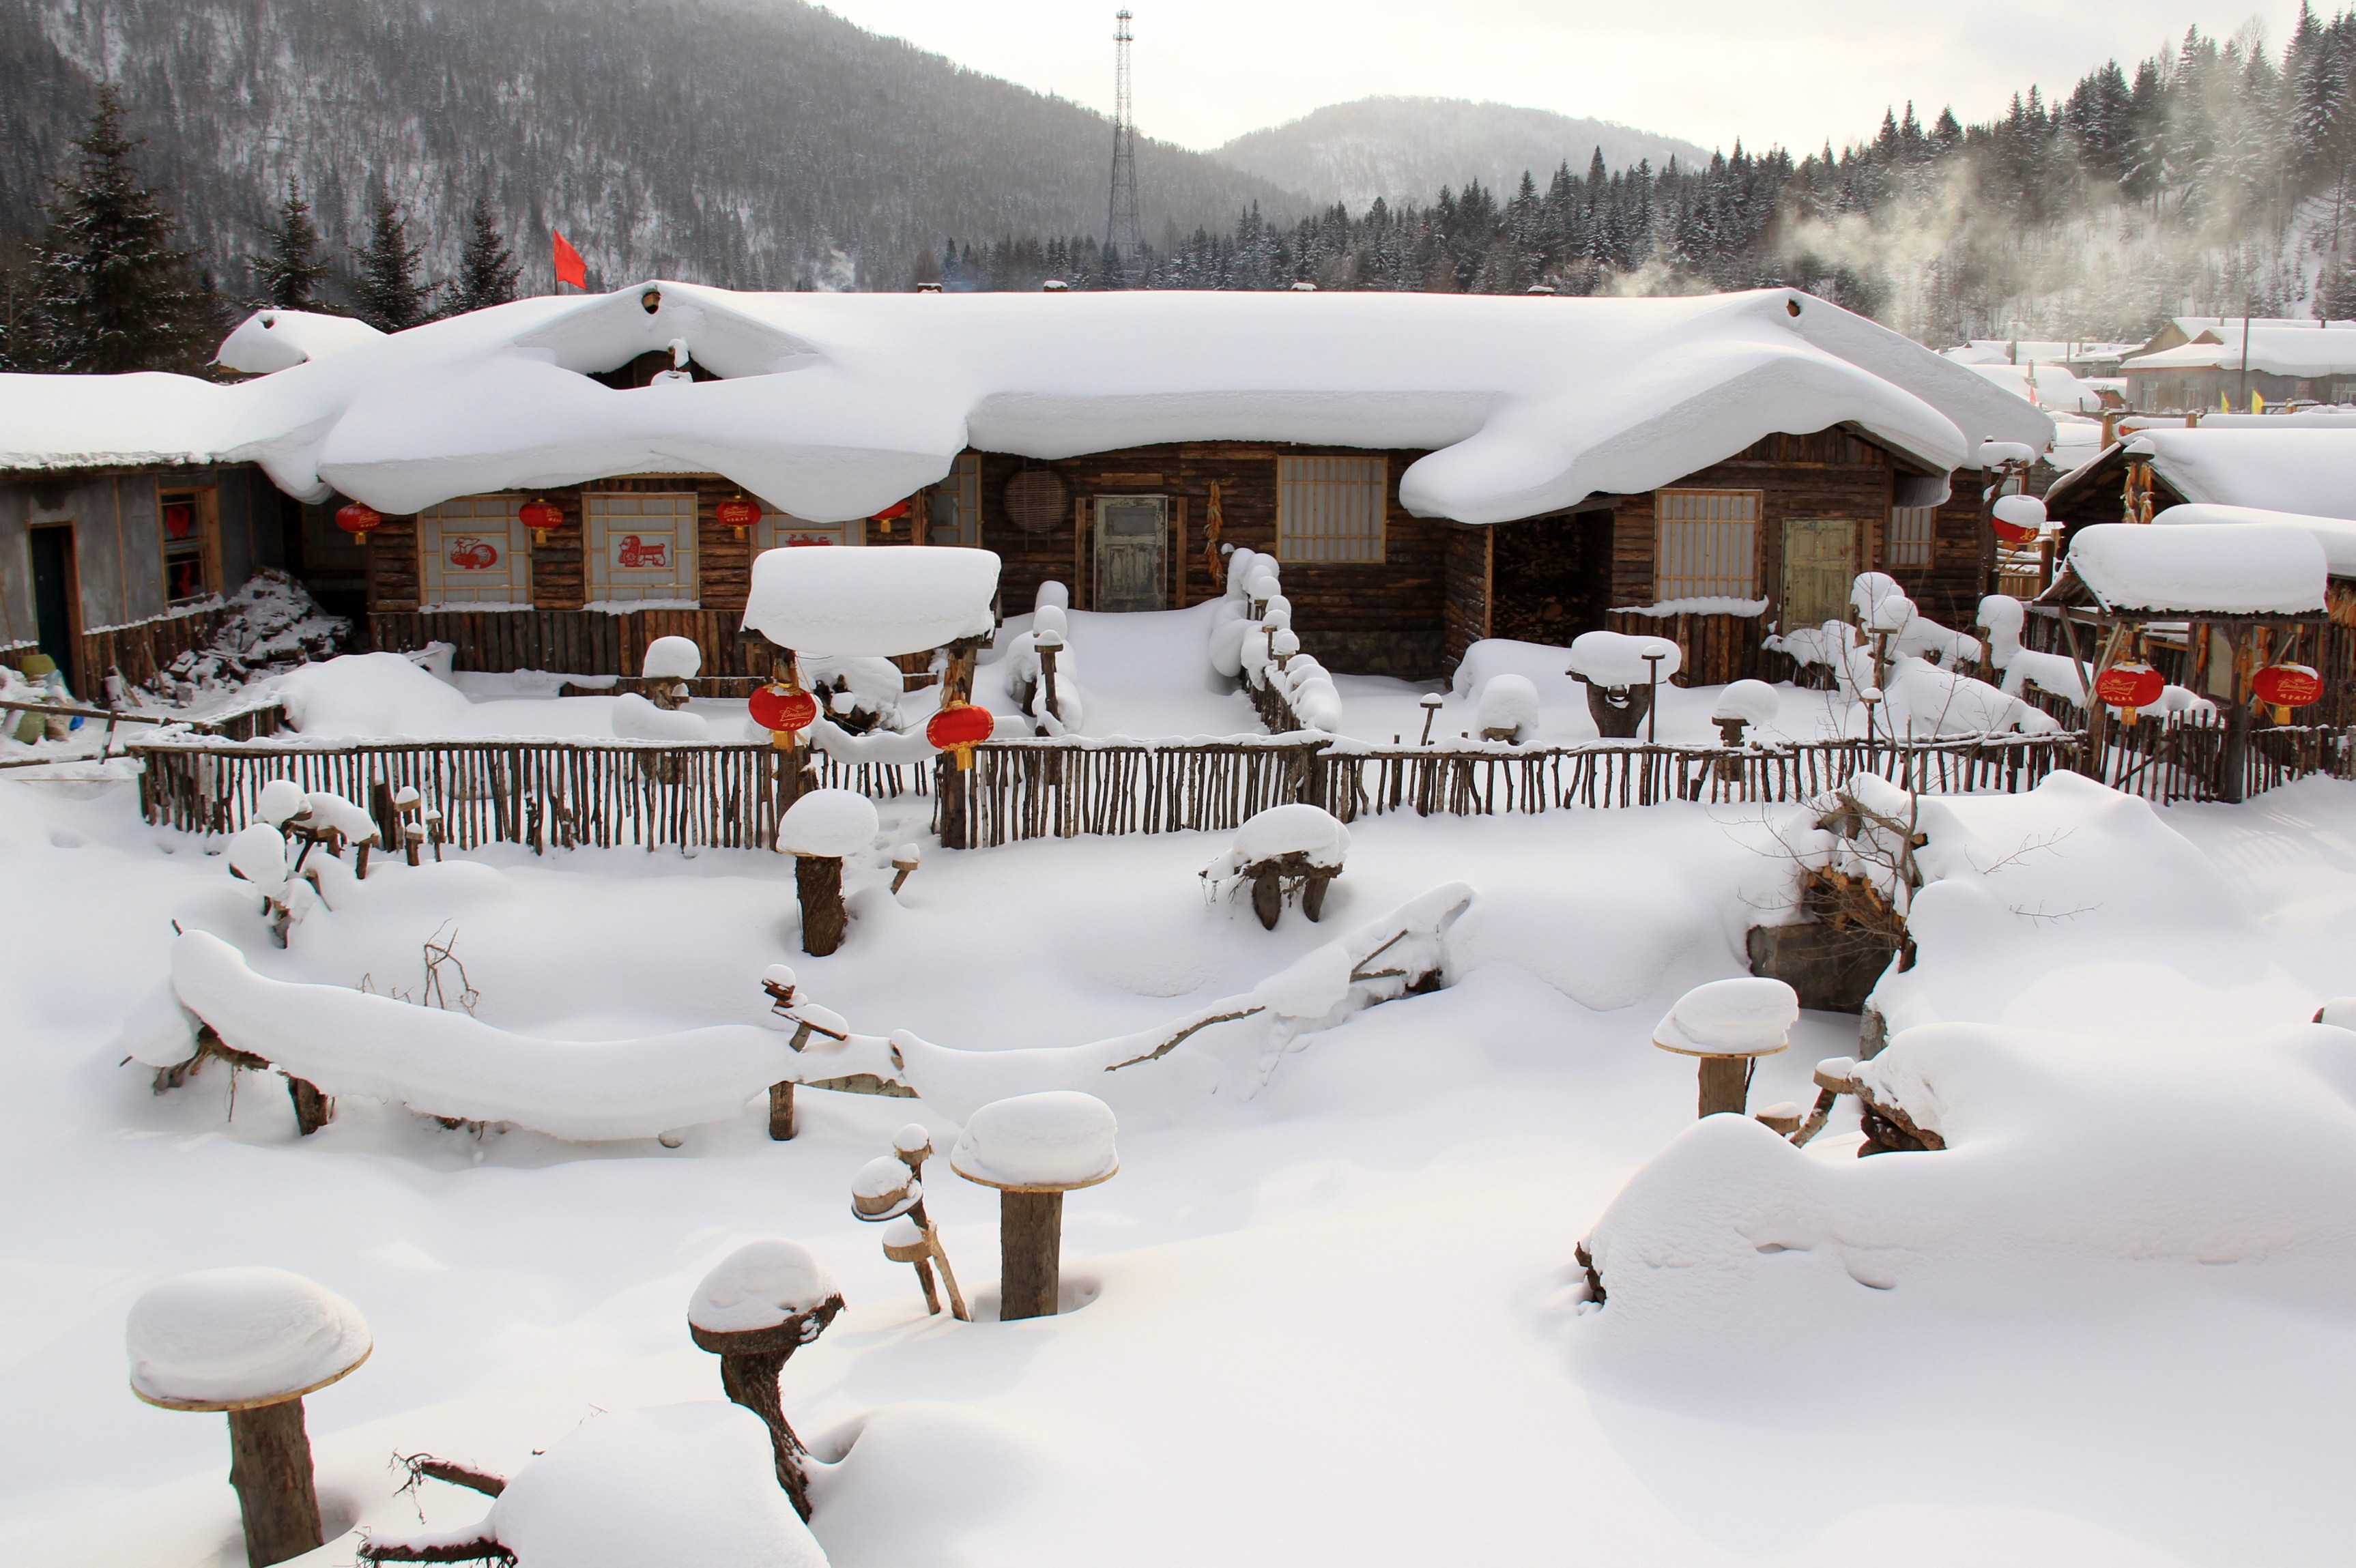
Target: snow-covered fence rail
(1065,788)
(2186,757)
(547,794)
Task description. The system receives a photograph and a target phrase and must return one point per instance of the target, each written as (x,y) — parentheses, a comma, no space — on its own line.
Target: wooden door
(57,599)
(1132,534)
(1819,565)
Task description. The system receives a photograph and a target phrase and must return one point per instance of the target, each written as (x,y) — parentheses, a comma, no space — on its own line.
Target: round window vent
(1036,501)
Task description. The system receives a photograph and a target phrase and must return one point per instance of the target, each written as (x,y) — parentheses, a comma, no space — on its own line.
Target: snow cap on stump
(1294,829)
(257,853)
(871,603)
(672,658)
(827,823)
(1752,701)
(236,1338)
(1050,1142)
(759,1286)
(1509,702)
(1614,658)
(1747,1016)
(280,801)
(884,1187)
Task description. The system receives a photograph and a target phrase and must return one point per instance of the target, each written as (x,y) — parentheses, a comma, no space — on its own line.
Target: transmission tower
(1124,248)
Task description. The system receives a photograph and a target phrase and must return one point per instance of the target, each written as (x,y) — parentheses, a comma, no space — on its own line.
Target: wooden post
(1268,893)
(1030,1254)
(781,1110)
(819,879)
(1724,1084)
(270,1466)
(954,783)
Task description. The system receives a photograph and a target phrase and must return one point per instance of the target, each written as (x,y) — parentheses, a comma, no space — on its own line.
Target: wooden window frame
(1927,545)
(430,522)
(207,499)
(1288,543)
(597,581)
(1756,522)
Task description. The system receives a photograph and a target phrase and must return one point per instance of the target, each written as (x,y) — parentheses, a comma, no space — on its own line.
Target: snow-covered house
(1430,470)
(2198,363)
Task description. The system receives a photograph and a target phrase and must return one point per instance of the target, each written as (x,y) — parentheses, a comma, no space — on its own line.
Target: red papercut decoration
(359,519)
(2287,686)
(960,726)
(2129,685)
(782,709)
(739,512)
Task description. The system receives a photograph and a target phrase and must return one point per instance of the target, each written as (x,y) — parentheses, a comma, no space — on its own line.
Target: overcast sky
(1708,71)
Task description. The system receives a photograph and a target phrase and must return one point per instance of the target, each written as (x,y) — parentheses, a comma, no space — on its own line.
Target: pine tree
(386,291)
(487,268)
(291,274)
(111,291)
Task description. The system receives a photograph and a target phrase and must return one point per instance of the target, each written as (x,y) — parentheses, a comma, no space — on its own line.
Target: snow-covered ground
(1337,1321)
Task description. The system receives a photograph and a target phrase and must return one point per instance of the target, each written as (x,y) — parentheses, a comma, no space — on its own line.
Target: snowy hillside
(1405,149)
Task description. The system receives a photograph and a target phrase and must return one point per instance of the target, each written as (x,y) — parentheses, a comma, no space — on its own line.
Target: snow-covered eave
(19,465)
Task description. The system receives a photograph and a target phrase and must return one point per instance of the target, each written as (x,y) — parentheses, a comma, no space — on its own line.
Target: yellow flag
(2257,403)
(2225,404)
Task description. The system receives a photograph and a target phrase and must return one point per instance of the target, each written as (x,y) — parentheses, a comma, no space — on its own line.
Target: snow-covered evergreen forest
(2212,179)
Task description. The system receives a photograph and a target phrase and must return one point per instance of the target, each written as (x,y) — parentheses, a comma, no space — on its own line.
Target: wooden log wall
(1467,565)
(569,642)
(1362,619)
(1713,649)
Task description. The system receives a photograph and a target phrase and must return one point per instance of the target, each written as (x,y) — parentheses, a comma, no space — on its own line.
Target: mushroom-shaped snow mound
(2021,511)
(883,1187)
(257,853)
(231,1338)
(1510,702)
(1615,659)
(1752,701)
(1746,1017)
(1050,1142)
(759,1286)
(870,602)
(828,823)
(672,658)
(1298,828)
(280,800)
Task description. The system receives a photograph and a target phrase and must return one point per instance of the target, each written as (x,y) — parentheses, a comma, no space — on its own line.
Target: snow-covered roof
(2213,568)
(2303,468)
(2306,350)
(281,339)
(2335,534)
(835,406)
(2048,386)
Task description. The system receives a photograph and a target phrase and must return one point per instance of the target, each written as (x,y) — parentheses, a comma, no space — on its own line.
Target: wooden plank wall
(142,648)
(566,641)
(1468,591)
(1359,619)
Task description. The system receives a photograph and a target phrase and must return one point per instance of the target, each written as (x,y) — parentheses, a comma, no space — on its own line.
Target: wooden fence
(545,794)
(578,641)
(1061,789)
(2187,758)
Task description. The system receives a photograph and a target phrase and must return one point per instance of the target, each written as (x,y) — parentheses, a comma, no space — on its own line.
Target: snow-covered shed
(2198,363)
(1430,469)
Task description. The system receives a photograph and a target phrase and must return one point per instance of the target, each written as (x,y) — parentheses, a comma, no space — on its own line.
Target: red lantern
(2014,533)
(738,513)
(783,711)
(540,517)
(959,728)
(2287,686)
(2128,687)
(884,519)
(358,518)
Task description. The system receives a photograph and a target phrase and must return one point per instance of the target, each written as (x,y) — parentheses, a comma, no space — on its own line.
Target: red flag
(570,267)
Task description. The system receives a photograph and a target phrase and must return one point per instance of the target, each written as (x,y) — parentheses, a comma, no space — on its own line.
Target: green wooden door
(1819,564)
(1131,533)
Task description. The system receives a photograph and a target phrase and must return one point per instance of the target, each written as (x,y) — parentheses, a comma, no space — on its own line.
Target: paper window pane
(641,547)
(474,551)
(1911,532)
(1330,508)
(1707,545)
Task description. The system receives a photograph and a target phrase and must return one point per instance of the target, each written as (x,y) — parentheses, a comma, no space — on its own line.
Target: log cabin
(1432,470)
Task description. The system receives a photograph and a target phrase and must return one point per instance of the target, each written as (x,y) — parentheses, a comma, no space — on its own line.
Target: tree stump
(1268,892)
(1030,1254)
(781,1110)
(1618,711)
(750,1365)
(1312,891)
(818,880)
(1724,1084)
(270,1466)
(312,1110)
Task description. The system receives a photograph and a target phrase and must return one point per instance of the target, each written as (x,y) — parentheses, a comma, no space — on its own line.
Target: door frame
(1160,536)
(72,666)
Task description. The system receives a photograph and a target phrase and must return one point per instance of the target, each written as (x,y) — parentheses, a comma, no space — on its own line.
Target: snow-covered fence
(2184,757)
(553,793)
(1061,789)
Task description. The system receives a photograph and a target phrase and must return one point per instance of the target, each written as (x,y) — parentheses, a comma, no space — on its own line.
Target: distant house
(1432,470)
(2196,364)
